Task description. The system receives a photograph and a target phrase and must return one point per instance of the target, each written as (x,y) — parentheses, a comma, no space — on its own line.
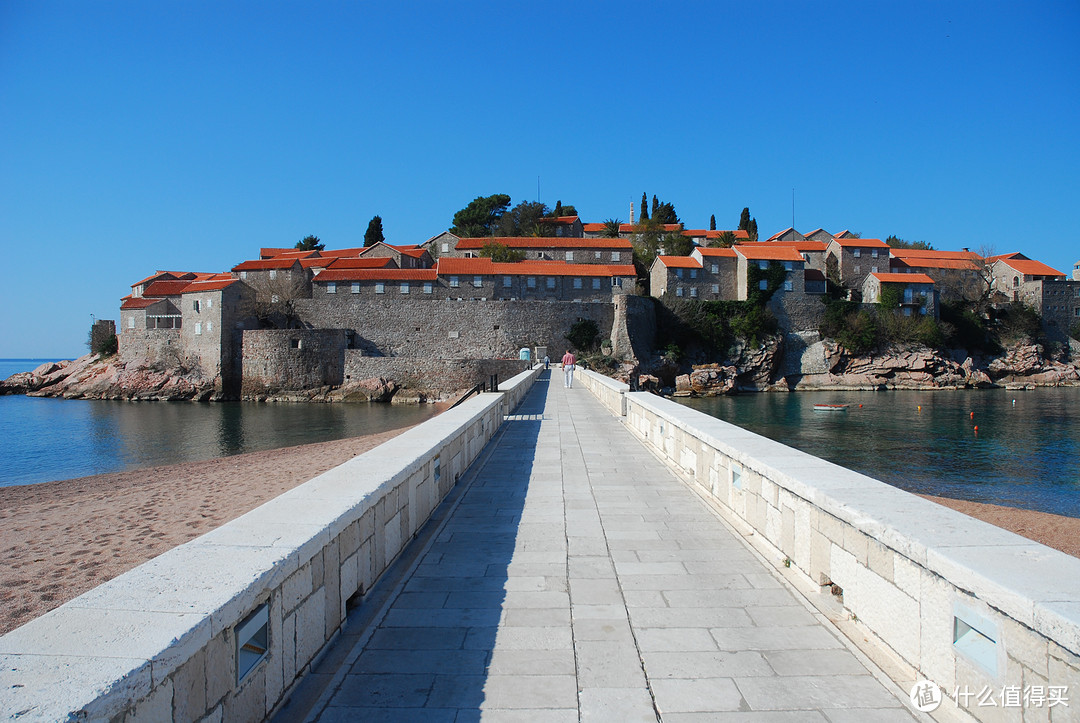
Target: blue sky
(138,136)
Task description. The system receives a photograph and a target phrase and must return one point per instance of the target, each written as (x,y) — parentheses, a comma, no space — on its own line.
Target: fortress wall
(162,642)
(149,344)
(945,597)
(285,359)
(429,376)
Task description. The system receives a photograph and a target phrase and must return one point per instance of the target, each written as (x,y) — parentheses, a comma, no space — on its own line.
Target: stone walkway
(579,579)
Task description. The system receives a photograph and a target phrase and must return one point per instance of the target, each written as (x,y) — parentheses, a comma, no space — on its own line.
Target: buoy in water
(973,415)
(919,407)
(1014,402)
(976,429)
(860,406)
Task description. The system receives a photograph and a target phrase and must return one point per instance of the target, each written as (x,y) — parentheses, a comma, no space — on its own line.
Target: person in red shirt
(568,363)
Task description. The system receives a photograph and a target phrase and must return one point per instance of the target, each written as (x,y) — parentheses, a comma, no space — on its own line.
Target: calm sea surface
(50,439)
(1026,452)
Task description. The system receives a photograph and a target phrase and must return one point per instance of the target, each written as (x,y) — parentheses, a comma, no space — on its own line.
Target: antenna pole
(793,209)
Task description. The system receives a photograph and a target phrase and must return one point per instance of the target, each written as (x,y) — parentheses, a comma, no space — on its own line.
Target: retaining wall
(960,602)
(160,642)
(430,376)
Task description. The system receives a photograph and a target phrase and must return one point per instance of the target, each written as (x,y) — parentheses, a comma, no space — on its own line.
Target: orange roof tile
(707,251)
(561,220)
(485,266)
(375,262)
(269,253)
(679,262)
(797,245)
(316,263)
(210,285)
(384,274)
(768,252)
(887,278)
(1026,266)
(159,276)
(861,243)
(341,253)
(937,263)
(592,227)
(542,242)
(266,264)
(138,303)
(634,228)
(166,288)
(934,254)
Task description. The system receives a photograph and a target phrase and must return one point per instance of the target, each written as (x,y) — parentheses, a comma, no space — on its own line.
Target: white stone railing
(960,602)
(607,390)
(221,627)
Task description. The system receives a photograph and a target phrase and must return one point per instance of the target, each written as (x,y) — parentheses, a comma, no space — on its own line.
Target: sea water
(1025,452)
(44,439)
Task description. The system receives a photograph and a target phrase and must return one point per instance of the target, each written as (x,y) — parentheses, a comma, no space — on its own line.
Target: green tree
(558,209)
(644,215)
(752,230)
(899,243)
(611,228)
(524,219)
(481,217)
(374,233)
(712,222)
(655,205)
(583,334)
(724,241)
(310,243)
(744,220)
(501,252)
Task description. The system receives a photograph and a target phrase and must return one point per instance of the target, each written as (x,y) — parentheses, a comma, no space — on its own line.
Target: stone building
(415,256)
(570,250)
(956,274)
(565,226)
(917,294)
(1041,287)
(763,255)
(273,279)
(849,260)
(678,277)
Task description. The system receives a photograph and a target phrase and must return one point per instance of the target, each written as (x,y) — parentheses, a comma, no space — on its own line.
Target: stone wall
(292,359)
(150,345)
(633,333)
(797,311)
(101,332)
(453,329)
(429,376)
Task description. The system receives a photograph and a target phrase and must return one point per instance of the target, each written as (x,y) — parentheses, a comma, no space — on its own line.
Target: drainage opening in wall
(975,637)
(252,640)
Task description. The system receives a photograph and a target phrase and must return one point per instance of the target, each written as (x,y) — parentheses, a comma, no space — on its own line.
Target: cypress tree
(558,209)
(744,220)
(752,229)
(655,205)
(374,233)
(712,222)
(644,216)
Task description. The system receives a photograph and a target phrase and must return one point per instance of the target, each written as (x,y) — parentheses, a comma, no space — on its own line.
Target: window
(596,283)
(569,255)
(763,265)
(855,269)
(195,305)
(274,298)
(806,258)
(873,253)
(873,269)
(427,287)
(787,266)
(198,328)
(404,288)
(678,273)
(531,282)
(209,327)
(763,285)
(273,273)
(477,281)
(597,255)
(445,248)
(454,283)
(716,288)
(209,303)
(693,273)
(856,253)
(715,268)
(131,322)
(380,287)
(614,255)
(356,287)
(577,282)
(616,281)
(678,291)
(693,292)
(551,283)
(788,286)
(508,281)
(331,287)
(243,275)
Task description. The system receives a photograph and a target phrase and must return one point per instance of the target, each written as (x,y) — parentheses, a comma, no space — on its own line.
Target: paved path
(579,579)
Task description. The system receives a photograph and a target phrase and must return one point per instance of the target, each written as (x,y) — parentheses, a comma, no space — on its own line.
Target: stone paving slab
(578,579)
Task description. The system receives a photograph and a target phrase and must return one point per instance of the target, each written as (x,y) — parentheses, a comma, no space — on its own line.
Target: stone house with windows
(849,260)
(1047,290)
(956,274)
(677,276)
(918,296)
(720,268)
(485,279)
(276,278)
(614,251)
(565,226)
(441,244)
(813,252)
(413,256)
(387,281)
(762,255)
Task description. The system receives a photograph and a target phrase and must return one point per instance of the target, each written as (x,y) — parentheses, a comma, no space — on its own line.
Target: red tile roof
(707,251)
(561,220)
(265,264)
(298,254)
(679,262)
(861,243)
(369,274)
(781,233)
(166,288)
(936,263)
(269,253)
(546,242)
(887,278)
(634,228)
(137,303)
(739,234)
(768,252)
(341,253)
(375,262)
(798,245)
(934,254)
(316,263)
(1026,266)
(159,276)
(415,253)
(485,266)
(592,227)
(210,285)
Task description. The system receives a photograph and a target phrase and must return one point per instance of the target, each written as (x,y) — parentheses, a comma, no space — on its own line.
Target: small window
(477,281)
(243,275)
(198,328)
(616,281)
(131,322)
(763,285)
(380,287)
(508,281)
(873,253)
(596,283)
(454,282)
(856,253)
(551,283)
(615,256)
(678,273)
(356,287)
(331,287)
(569,255)
(252,640)
(763,265)
(693,292)
(787,266)
(273,273)
(209,303)
(788,286)
(693,273)
(427,287)
(404,288)
(715,268)
(195,304)
(597,255)
(294,343)
(716,288)
(855,269)
(577,282)
(531,282)
(678,291)
(274,299)
(209,327)
(445,248)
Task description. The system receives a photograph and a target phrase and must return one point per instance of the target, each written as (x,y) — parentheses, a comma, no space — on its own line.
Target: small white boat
(830,407)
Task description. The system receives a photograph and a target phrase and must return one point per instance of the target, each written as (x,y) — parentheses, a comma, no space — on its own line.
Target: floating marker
(920,407)
(973,415)
(976,429)
(1014,402)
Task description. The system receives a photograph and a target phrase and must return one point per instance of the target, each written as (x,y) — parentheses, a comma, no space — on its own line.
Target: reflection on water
(50,439)
(1026,452)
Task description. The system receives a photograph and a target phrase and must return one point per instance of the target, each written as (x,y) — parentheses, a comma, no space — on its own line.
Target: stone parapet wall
(159,643)
(149,345)
(954,600)
(610,392)
(429,376)
(289,359)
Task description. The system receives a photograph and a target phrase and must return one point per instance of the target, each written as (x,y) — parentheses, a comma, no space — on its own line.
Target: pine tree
(644,216)
(712,222)
(744,220)
(310,243)
(558,209)
(374,233)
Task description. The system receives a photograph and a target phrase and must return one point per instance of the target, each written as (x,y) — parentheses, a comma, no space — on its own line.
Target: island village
(426,319)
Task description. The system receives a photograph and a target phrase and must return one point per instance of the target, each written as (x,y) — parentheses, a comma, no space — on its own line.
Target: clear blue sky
(137,136)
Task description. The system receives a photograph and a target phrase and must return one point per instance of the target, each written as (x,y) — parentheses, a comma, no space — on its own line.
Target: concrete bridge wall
(161,642)
(957,601)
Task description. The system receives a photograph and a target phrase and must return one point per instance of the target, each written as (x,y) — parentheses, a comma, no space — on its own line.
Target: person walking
(547,360)
(568,362)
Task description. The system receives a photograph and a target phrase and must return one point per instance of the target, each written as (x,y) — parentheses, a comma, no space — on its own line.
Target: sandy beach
(60,539)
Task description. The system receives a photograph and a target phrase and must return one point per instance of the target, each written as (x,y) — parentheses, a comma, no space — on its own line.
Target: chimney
(631,213)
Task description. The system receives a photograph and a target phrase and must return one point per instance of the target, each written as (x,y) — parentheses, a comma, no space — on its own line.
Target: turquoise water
(1025,454)
(50,439)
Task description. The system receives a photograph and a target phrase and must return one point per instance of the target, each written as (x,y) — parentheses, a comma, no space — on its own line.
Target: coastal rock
(710,380)
(375,389)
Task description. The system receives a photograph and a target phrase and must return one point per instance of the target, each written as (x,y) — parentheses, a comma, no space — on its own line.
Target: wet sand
(60,539)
